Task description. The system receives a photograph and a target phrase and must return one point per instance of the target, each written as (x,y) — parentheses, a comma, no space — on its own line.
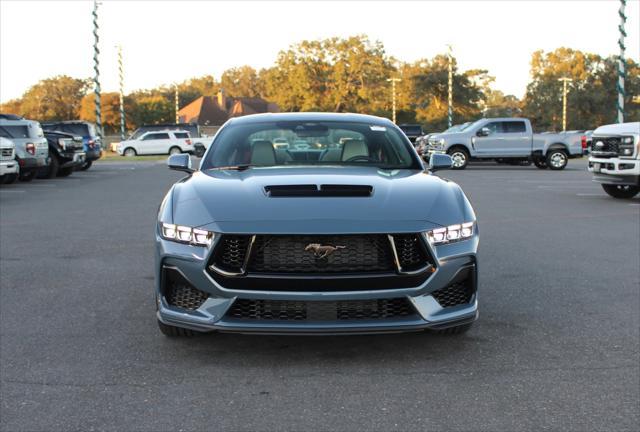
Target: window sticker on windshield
(378,128)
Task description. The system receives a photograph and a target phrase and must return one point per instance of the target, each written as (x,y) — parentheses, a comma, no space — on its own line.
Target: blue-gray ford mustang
(314,223)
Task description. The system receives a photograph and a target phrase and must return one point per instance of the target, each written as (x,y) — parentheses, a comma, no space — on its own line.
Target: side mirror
(439,162)
(485,131)
(180,162)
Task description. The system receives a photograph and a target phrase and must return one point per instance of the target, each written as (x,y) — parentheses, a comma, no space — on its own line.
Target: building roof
(214,111)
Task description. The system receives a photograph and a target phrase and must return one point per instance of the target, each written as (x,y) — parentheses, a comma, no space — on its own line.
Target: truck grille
(605,146)
(284,310)
(319,254)
(6,154)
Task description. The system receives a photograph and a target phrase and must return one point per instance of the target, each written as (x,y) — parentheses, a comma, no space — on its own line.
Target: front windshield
(310,143)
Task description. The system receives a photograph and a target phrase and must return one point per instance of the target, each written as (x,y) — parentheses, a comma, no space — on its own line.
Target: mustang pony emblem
(321,251)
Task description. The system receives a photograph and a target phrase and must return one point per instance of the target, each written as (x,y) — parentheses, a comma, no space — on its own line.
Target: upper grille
(6,153)
(411,251)
(610,146)
(231,252)
(284,310)
(292,254)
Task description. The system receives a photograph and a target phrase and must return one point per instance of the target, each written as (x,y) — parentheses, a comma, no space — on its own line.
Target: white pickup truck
(615,159)
(508,140)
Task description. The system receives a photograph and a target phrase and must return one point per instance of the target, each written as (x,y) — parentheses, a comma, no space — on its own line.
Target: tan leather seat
(263,153)
(353,148)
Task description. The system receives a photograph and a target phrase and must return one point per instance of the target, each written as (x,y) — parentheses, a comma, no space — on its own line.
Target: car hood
(236,201)
(618,129)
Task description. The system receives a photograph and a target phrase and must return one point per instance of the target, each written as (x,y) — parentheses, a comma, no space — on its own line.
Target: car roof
(166,131)
(310,116)
(22,122)
(66,122)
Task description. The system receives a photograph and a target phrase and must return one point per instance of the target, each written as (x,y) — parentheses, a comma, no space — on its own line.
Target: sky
(169,41)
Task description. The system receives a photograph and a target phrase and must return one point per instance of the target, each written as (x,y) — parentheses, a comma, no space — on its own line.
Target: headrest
(352,148)
(263,153)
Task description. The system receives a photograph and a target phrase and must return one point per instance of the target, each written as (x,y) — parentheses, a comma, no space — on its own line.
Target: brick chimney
(222,99)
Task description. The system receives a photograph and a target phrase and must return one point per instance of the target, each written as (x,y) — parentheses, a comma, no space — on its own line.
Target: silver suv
(32,150)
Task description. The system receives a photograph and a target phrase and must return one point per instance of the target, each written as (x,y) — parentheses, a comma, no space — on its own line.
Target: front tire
(27,176)
(129,152)
(621,191)
(460,158)
(557,159)
(172,331)
(174,150)
(51,171)
(86,166)
(9,178)
(65,172)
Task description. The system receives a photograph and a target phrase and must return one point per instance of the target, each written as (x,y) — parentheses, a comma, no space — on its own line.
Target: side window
(495,127)
(181,135)
(514,127)
(155,136)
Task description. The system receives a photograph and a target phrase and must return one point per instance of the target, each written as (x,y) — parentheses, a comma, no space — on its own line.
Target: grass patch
(115,157)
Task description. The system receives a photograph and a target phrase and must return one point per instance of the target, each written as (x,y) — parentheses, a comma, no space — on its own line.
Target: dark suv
(66,153)
(90,138)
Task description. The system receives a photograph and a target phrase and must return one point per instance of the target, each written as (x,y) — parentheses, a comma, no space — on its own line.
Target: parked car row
(29,149)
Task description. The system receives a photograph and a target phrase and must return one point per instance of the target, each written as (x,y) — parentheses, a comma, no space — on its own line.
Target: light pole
(564,80)
(121,77)
(176,103)
(621,65)
(393,91)
(450,93)
(96,68)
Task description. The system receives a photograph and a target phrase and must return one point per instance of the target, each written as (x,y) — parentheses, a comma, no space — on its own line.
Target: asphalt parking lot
(556,347)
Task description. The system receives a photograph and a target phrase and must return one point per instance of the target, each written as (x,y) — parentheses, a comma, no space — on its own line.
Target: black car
(90,138)
(65,153)
(412,131)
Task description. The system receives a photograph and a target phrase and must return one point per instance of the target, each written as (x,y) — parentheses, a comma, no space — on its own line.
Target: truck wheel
(27,176)
(172,331)
(557,159)
(65,172)
(51,171)
(175,150)
(540,163)
(455,330)
(460,158)
(9,178)
(621,191)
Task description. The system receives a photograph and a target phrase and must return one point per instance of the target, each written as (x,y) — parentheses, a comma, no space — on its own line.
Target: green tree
(241,81)
(56,98)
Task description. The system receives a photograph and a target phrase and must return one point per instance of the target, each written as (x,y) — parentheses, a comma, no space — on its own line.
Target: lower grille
(187,297)
(453,295)
(179,292)
(284,310)
(6,153)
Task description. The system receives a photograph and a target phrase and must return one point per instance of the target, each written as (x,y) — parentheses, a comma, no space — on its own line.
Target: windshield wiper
(233,167)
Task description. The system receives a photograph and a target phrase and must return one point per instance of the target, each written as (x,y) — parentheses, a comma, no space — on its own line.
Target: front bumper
(93,154)
(73,159)
(616,171)
(453,262)
(32,163)
(8,167)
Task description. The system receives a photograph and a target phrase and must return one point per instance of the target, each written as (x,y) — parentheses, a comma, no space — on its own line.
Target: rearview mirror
(439,162)
(180,162)
(485,131)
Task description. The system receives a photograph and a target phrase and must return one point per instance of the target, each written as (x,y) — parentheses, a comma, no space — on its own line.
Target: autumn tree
(241,81)
(56,98)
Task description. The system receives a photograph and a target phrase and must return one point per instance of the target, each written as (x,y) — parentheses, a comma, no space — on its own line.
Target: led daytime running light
(185,234)
(450,234)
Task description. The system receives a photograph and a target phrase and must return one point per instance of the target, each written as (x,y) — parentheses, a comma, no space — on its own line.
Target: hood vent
(331,190)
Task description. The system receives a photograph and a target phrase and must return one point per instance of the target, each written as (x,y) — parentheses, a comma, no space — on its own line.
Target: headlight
(450,234)
(626,146)
(185,234)
(441,141)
